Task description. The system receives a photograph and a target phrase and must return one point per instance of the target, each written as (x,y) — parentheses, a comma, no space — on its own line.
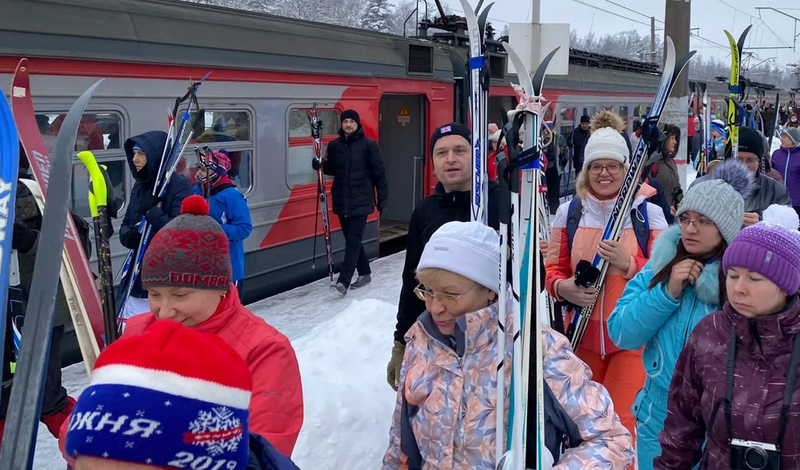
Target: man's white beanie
(469,249)
(605,143)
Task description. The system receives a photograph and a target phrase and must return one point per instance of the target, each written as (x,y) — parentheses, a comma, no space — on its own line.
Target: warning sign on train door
(404,117)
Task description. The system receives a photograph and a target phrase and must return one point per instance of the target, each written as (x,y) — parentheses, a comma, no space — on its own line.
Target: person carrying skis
(786,160)
(144,153)
(733,398)
(187,273)
(445,411)
(577,230)
(170,398)
(552,152)
(228,207)
(56,403)
(679,286)
(354,160)
(765,191)
(451,155)
(577,143)
(661,164)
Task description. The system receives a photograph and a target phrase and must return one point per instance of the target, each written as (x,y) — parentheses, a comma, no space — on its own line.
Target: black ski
(26,400)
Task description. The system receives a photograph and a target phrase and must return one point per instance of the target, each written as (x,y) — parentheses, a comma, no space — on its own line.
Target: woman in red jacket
(187,273)
(733,397)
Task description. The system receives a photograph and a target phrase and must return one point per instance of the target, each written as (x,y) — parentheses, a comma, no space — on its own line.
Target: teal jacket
(654,319)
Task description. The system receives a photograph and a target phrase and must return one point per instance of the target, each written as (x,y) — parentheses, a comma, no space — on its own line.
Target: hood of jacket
(664,250)
(152,143)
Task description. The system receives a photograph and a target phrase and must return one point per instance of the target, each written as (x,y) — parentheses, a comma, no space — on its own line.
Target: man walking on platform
(355,162)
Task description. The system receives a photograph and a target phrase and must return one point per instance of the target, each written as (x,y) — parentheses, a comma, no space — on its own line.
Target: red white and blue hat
(170,397)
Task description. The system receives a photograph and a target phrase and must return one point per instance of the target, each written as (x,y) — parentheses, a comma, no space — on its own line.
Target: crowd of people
(689,357)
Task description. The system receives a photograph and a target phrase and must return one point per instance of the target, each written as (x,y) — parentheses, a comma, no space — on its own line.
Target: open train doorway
(402,142)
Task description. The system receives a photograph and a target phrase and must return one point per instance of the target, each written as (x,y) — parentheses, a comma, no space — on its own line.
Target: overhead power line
(632,10)
(611,12)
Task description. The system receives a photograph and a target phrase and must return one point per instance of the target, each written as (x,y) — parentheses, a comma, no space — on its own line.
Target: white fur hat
(469,249)
(605,143)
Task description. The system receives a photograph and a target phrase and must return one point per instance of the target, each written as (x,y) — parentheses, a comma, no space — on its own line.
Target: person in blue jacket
(144,153)
(227,206)
(680,284)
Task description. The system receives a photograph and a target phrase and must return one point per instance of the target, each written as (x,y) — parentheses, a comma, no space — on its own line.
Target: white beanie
(469,249)
(605,143)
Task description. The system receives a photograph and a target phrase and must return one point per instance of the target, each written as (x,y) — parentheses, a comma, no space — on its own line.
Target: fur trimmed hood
(664,250)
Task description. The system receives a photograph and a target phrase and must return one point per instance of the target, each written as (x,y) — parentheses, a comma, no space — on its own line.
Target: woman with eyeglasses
(682,283)
(577,232)
(447,394)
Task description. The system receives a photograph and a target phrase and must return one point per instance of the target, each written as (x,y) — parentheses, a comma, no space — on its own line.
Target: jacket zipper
(786,168)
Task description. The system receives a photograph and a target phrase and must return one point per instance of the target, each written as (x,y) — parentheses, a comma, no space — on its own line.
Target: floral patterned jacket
(445,412)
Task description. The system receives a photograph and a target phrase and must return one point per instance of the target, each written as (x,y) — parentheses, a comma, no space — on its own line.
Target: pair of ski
(594,274)
(316,127)
(173,151)
(480,79)
(735,92)
(26,399)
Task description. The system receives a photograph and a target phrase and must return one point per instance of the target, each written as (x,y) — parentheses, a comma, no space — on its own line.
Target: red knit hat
(190,251)
(170,391)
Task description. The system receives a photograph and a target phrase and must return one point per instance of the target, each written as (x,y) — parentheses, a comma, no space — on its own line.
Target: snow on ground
(343,346)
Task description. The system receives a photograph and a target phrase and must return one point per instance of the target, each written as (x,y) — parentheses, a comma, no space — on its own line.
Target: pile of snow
(348,404)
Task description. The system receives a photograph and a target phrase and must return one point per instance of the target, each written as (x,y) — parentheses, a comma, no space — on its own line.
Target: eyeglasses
(750,161)
(702,223)
(444,299)
(612,169)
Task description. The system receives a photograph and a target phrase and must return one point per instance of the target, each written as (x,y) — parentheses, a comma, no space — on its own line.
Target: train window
(589,111)
(300,146)
(97,131)
(638,112)
(568,113)
(299,127)
(298,161)
(623,113)
(116,169)
(220,126)
(607,108)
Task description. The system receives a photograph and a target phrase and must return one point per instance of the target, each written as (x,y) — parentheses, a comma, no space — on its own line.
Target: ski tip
(22,66)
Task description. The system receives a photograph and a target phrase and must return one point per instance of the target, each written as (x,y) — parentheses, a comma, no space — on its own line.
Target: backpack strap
(573,219)
(640,222)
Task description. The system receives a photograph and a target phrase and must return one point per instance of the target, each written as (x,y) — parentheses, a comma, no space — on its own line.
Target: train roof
(180,33)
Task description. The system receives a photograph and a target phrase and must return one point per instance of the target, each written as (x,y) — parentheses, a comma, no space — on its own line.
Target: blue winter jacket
(652,318)
(152,143)
(229,207)
(263,456)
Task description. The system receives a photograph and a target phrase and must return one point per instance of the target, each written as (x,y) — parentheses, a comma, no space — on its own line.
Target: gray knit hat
(721,197)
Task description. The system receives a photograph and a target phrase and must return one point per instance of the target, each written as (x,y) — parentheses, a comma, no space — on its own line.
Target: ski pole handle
(98,192)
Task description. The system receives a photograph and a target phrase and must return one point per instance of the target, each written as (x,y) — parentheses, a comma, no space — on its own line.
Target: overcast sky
(711,16)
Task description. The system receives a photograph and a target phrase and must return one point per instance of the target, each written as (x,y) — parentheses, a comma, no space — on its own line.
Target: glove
(153,217)
(393,369)
(316,164)
(149,201)
(23,238)
(653,136)
(382,206)
(130,239)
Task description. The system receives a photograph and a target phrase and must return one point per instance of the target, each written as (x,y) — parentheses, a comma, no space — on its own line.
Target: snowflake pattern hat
(170,397)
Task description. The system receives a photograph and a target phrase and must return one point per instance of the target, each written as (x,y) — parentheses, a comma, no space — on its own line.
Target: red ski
(39,157)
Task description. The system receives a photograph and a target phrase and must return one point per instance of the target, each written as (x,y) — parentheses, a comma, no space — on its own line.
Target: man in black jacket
(144,154)
(355,162)
(451,153)
(577,142)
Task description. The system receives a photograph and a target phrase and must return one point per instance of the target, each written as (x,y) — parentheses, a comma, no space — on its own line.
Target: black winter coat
(577,141)
(357,167)
(178,189)
(430,214)
(263,456)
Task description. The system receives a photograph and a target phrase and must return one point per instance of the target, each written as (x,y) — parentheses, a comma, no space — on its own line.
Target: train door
(402,142)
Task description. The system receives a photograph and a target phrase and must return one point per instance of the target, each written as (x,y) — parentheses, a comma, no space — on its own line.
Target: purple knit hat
(770,250)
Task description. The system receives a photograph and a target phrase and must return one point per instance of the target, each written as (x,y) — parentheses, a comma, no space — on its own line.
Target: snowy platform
(343,345)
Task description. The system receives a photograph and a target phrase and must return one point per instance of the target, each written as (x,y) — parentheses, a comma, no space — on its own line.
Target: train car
(266,73)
